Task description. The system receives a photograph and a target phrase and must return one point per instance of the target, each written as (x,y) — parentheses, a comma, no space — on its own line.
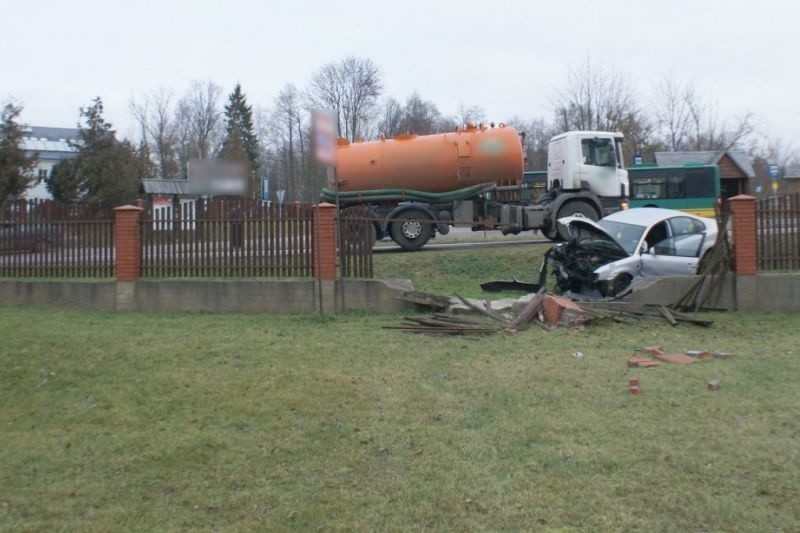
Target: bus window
(675,187)
(699,184)
(646,188)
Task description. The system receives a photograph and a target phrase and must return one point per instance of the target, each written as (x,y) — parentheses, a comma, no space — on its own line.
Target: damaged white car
(607,255)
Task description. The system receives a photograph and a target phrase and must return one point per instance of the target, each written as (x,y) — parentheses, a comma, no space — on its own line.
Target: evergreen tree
(105,172)
(15,167)
(239,128)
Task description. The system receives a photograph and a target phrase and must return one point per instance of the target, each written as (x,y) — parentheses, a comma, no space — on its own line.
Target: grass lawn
(123,421)
(462,271)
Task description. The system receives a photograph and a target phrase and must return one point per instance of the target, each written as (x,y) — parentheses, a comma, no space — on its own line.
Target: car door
(679,253)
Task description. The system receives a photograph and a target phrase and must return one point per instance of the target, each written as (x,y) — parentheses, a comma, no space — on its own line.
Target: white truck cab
(587,160)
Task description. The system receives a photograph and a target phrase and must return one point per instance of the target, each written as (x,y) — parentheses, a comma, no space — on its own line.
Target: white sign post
(265,189)
(281,194)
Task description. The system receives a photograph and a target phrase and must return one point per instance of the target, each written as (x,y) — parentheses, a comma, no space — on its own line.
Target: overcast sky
(509,57)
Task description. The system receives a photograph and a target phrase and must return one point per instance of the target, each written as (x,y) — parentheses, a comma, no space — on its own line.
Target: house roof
(51,134)
(791,172)
(51,144)
(707,157)
(48,149)
(165,187)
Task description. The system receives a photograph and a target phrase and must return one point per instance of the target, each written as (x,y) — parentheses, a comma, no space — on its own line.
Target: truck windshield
(598,152)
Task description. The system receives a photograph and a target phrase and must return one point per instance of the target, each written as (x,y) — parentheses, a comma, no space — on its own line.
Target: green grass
(123,421)
(462,271)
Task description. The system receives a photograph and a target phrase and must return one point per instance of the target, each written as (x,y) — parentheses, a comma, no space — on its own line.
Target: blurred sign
(281,194)
(638,159)
(217,177)
(265,188)
(774,186)
(325,134)
(773,171)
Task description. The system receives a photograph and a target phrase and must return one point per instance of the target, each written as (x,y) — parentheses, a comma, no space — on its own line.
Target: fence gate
(778,227)
(356,239)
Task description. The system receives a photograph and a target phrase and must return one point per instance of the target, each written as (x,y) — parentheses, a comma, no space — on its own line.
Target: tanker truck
(418,186)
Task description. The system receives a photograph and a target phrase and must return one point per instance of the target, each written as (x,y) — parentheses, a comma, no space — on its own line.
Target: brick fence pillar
(745,242)
(325,242)
(127,242)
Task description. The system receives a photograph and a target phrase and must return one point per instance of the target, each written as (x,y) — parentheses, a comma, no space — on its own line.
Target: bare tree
(672,113)
(199,117)
(420,116)
(538,133)
(469,114)
(159,129)
(391,117)
(595,99)
(688,121)
(350,89)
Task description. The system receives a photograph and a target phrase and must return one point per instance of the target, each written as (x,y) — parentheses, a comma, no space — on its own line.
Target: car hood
(585,231)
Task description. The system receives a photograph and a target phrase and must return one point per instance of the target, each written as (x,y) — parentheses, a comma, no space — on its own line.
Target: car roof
(645,216)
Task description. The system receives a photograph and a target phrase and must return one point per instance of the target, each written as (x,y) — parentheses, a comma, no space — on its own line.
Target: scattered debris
(426,299)
(577,355)
(561,311)
(641,362)
(529,312)
(439,323)
(713,384)
(542,308)
(656,355)
(714,267)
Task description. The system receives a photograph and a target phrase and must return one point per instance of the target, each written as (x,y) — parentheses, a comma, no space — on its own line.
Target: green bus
(691,188)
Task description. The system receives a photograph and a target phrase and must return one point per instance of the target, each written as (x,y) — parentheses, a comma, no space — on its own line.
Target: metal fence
(49,239)
(226,238)
(357,235)
(778,226)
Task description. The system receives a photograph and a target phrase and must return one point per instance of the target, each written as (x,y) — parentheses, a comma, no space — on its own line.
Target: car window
(687,245)
(686,225)
(627,235)
(656,234)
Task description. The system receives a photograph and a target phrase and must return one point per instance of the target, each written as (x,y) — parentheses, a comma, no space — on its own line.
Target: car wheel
(411,229)
(618,285)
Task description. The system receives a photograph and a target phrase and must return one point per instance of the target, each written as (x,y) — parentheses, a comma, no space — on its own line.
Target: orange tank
(432,163)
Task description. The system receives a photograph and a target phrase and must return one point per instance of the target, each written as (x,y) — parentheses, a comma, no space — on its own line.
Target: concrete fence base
(285,296)
(761,292)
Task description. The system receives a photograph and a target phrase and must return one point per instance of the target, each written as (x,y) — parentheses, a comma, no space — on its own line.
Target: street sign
(773,171)
(325,135)
(638,159)
(281,194)
(265,188)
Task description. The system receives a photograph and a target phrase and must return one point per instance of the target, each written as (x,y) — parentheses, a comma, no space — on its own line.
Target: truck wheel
(570,209)
(411,229)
